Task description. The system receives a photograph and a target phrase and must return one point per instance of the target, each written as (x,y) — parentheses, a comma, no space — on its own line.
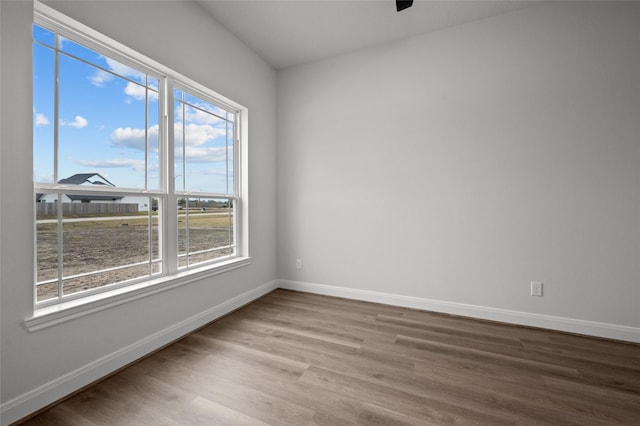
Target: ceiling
(292,32)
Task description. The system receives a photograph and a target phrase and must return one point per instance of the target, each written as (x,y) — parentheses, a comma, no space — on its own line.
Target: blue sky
(101,123)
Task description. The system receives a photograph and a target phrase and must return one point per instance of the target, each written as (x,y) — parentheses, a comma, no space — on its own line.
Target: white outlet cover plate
(536,288)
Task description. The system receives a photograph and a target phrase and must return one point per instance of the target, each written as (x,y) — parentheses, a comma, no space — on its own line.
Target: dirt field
(102,244)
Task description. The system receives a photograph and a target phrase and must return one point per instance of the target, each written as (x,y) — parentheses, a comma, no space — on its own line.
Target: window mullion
(236,155)
(170,207)
(59,204)
(56,108)
(146,174)
(146,132)
(184,178)
(226,154)
(240,249)
(184,144)
(60,234)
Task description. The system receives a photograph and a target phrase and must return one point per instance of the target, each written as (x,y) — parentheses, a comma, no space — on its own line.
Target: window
(136,168)
(204,153)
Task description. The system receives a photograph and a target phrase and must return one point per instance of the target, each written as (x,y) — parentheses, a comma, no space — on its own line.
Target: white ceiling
(293,32)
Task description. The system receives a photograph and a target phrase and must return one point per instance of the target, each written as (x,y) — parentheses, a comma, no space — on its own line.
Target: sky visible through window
(108,123)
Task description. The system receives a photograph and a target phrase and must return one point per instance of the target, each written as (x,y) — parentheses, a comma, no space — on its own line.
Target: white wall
(455,167)
(38,366)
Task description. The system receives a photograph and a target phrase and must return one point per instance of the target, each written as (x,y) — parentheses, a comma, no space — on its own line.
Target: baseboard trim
(570,325)
(32,401)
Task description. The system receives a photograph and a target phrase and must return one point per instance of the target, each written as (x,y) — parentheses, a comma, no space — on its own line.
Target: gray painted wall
(182,37)
(461,165)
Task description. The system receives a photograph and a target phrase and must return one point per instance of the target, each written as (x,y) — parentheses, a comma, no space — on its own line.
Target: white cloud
(199,116)
(134,138)
(198,134)
(114,163)
(41,120)
(78,123)
(125,71)
(100,78)
(137,92)
(205,154)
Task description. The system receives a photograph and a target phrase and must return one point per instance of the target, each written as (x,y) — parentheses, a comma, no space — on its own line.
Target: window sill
(52,315)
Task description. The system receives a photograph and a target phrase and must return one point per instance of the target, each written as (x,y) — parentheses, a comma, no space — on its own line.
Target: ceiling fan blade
(403,4)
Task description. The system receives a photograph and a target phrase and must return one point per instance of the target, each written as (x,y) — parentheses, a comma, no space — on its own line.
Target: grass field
(105,242)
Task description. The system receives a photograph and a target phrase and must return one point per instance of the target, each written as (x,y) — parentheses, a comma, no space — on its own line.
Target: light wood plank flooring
(301,359)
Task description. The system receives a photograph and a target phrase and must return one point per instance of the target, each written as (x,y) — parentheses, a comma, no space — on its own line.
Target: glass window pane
(230,158)
(156,253)
(46,291)
(104,241)
(88,282)
(183,244)
(101,129)
(205,153)
(201,143)
(113,67)
(44,36)
(46,246)
(43,113)
(178,142)
(153,83)
(204,105)
(74,49)
(209,232)
(153,143)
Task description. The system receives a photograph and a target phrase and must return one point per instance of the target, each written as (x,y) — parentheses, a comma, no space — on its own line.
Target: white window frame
(47,313)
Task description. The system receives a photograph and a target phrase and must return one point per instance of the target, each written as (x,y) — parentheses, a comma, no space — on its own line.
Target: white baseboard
(48,393)
(589,328)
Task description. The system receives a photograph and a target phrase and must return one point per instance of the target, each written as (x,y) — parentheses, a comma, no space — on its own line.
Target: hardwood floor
(302,359)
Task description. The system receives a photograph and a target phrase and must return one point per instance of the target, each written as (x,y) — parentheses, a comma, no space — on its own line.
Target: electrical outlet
(536,288)
(298,263)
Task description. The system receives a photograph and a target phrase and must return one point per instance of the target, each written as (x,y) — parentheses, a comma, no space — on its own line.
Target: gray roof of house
(80,178)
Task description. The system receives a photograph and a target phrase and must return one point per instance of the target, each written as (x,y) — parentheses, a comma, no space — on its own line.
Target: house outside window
(137,169)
